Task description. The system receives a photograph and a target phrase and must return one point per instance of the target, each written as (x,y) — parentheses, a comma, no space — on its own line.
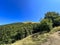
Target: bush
(46,25)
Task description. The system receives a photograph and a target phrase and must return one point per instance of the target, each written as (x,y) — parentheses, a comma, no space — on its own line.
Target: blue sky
(26,10)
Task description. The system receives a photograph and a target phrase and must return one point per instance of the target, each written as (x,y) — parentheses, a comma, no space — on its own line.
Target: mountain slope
(34,39)
(43,39)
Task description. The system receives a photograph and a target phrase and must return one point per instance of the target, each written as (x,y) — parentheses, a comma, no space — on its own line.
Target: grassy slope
(43,39)
(30,40)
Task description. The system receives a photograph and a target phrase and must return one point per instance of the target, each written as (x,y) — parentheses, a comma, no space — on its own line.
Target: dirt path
(54,39)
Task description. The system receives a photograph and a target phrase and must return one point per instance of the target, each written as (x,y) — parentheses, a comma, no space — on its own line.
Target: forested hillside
(11,33)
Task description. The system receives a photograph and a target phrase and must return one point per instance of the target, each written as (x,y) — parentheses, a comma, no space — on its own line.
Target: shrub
(46,25)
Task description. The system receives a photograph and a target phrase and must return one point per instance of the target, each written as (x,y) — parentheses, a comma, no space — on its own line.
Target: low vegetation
(41,39)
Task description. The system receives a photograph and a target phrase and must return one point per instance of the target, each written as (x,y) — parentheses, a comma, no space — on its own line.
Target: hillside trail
(54,39)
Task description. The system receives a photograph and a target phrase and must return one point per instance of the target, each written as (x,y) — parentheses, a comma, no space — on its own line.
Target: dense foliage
(16,31)
(55,17)
(45,25)
(12,32)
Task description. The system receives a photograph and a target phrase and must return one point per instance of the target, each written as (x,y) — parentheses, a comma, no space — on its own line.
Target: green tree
(53,16)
